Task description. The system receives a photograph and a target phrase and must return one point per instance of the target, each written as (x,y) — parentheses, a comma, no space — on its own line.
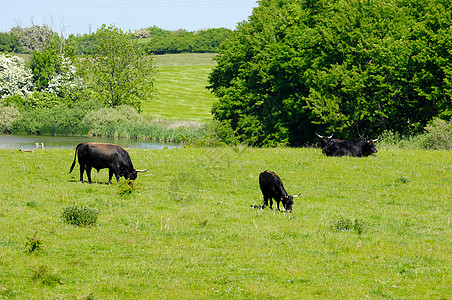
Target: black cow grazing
(102,156)
(272,188)
(350,148)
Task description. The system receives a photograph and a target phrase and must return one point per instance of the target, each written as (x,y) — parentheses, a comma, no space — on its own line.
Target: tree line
(153,40)
(351,67)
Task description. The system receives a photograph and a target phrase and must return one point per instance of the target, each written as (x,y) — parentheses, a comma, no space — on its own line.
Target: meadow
(181,88)
(376,227)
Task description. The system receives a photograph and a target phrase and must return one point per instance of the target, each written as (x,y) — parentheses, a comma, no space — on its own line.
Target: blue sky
(82,15)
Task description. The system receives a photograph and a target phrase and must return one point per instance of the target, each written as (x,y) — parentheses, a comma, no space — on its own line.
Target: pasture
(181,88)
(191,227)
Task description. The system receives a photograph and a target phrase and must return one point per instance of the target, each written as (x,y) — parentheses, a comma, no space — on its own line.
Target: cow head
(370,147)
(133,176)
(288,202)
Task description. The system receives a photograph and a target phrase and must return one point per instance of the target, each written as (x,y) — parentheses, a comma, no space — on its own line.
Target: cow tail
(75,156)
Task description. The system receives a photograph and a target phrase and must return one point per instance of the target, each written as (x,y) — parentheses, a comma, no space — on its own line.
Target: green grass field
(181,86)
(364,227)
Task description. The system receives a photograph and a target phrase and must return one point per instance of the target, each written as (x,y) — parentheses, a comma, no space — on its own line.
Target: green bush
(343,224)
(107,121)
(33,243)
(42,275)
(215,134)
(8,115)
(80,216)
(440,132)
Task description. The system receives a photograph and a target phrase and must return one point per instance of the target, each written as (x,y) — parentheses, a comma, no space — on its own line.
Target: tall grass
(191,227)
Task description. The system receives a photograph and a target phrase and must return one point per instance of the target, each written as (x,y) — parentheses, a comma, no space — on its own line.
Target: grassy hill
(181,86)
(364,227)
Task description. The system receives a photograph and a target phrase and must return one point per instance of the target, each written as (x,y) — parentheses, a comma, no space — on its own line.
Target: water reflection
(69,142)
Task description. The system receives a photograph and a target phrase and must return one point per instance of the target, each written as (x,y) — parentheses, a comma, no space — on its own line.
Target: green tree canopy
(120,72)
(10,43)
(354,66)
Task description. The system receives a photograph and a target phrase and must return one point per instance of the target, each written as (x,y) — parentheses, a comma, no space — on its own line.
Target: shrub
(8,115)
(107,121)
(342,224)
(80,216)
(15,77)
(42,275)
(60,119)
(215,134)
(125,188)
(440,132)
(33,243)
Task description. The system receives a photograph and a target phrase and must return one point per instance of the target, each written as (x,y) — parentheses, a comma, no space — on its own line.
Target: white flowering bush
(15,77)
(65,79)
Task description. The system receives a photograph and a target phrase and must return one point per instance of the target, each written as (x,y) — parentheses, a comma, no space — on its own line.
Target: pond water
(52,142)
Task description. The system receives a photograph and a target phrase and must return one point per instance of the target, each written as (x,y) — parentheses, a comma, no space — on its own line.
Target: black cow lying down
(272,188)
(102,156)
(334,147)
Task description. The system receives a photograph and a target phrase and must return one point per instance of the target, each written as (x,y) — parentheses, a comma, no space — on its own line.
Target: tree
(120,73)
(15,77)
(358,67)
(33,38)
(9,42)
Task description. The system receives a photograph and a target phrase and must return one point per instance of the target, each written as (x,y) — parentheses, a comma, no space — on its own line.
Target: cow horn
(141,170)
(376,140)
(322,137)
(296,196)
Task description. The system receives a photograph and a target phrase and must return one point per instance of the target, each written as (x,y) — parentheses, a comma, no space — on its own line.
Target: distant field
(181,86)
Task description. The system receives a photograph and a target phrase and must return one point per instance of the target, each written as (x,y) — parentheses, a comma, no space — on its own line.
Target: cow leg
(82,169)
(265,201)
(277,203)
(271,202)
(110,175)
(88,173)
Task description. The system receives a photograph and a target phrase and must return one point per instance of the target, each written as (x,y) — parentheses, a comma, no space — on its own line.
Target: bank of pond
(30,142)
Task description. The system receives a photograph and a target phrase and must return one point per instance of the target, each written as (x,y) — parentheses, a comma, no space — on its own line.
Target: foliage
(120,73)
(358,67)
(34,100)
(8,115)
(166,42)
(348,225)
(105,119)
(9,43)
(34,38)
(126,122)
(80,215)
(441,134)
(15,78)
(33,243)
(54,72)
(61,118)
(42,275)
(64,81)
(216,134)
(83,44)
(125,188)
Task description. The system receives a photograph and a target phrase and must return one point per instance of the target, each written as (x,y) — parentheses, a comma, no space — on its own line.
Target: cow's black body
(272,188)
(104,156)
(349,148)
